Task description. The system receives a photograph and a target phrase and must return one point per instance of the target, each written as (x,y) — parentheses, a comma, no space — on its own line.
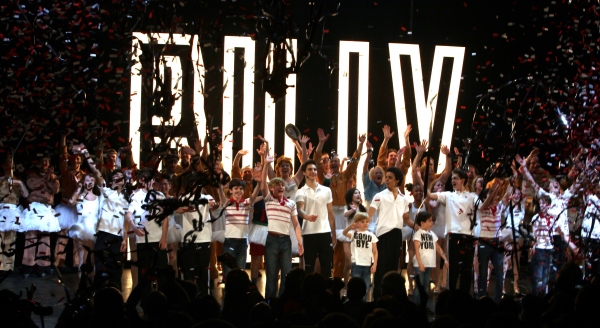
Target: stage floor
(51,292)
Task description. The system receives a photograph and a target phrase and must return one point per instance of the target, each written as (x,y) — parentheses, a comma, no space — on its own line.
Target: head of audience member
(472,172)
(258,313)
(424,220)
(392,157)
(155,305)
(89,184)
(356,289)
(277,187)
(314,287)
(185,155)
(415,190)
(325,159)
(108,303)
(532,309)
(353,196)
(111,158)
(393,284)
(459,178)
(236,187)
(204,308)
(441,304)
(116,179)
(163,184)
(309,168)
(293,283)
(337,320)
(534,164)
(170,164)
(437,185)
(393,178)
(485,308)
(284,167)
(376,175)
(334,164)
(376,315)
(587,303)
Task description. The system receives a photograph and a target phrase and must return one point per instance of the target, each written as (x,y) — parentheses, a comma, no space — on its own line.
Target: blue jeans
(488,249)
(238,248)
(278,254)
(363,272)
(540,270)
(424,279)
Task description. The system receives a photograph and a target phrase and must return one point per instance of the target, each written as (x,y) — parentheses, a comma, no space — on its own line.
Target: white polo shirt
(140,217)
(315,202)
(390,211)
(113,207)
(191,223)
(459,210)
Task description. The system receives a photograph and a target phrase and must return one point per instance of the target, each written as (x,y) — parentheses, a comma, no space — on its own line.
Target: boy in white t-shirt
(426,247)
(363,246)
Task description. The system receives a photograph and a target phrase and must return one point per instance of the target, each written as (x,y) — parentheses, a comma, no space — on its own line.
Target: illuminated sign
(425,108)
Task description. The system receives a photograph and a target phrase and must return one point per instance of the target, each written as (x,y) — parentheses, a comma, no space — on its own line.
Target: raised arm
(448,169)
(63,163)
(527,178)
(352,166)
(490,200)
(368,159)
(80,149)
(383,149)
(263,151)
(405,164)
(459,156)
(416,173)
(236,170)
(299,176)
(266,164)
(318,152)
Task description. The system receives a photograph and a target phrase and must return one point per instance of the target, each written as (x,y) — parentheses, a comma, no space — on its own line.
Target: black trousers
(592,264)
(461,252)
(389,248)
(318,245)
(194,259)
(108,259)
(559,257)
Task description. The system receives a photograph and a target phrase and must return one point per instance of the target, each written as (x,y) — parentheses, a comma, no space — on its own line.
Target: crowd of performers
(109,207)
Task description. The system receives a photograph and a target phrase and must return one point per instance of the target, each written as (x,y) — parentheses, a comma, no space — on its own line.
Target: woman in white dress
(87,200)
(511,220)
(11,190)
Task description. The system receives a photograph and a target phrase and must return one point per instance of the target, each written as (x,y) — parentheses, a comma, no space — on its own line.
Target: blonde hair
(276,181)
(372,172)
(361,216)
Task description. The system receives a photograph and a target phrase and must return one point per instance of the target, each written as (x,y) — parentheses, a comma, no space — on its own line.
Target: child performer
(363,244)
(541,251)
(426,247)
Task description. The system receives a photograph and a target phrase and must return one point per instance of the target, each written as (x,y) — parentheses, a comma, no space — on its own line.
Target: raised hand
(243,152)
(309,149)
(445,150)
(422,147)
(321,135)
(269,159)
(401,151)
(386,132)
(407,131)
(521,161)
(362,137)
(304,139)
(534,152)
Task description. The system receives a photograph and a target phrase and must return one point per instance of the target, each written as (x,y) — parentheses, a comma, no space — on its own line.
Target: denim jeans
(488,249)
(238,248)
(278,254)
(424,279)
(540,270)
(363,272)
